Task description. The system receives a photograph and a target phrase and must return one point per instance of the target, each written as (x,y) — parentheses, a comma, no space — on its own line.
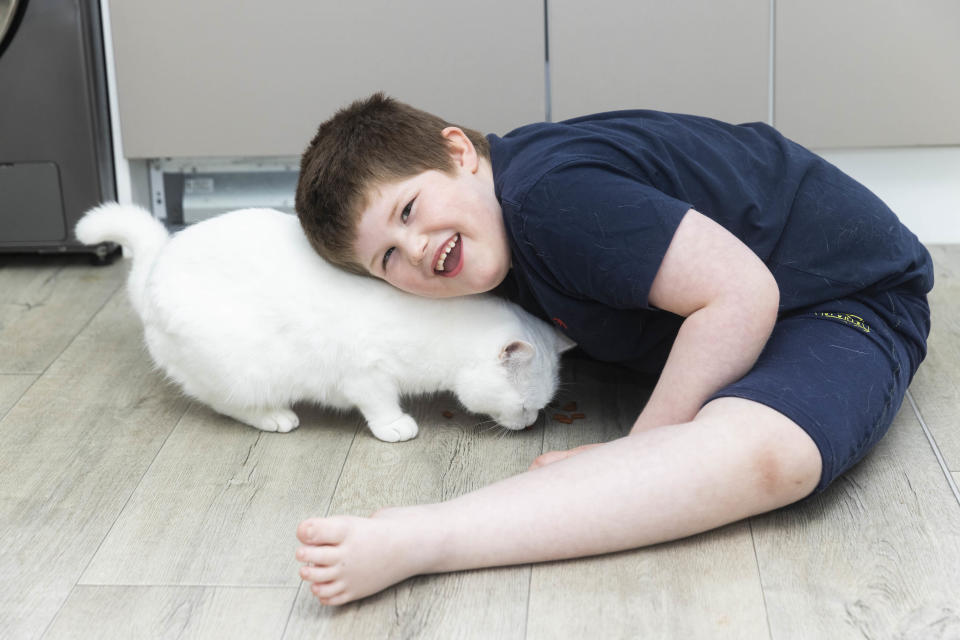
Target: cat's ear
(517,352)
(564,343)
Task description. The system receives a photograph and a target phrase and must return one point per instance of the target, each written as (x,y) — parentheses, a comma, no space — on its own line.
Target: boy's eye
(403,218)
(386,256)
(406,211)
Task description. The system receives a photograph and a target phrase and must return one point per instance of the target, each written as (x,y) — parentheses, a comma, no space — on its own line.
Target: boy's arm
(730,301)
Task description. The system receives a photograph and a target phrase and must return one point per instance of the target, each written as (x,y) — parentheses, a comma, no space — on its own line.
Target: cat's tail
(136,230)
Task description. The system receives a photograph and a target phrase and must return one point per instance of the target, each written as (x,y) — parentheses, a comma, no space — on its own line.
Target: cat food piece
(559,417)
(570,406)
(577,416)
(448,414)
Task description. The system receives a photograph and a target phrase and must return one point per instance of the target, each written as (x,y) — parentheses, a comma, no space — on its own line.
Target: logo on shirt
(560,323)
(846,318)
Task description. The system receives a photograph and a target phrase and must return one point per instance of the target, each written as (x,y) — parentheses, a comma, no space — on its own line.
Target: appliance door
(55,156)
(8,9)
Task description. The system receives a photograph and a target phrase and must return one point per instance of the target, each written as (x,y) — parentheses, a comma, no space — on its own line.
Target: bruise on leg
(768,470)
(785,460)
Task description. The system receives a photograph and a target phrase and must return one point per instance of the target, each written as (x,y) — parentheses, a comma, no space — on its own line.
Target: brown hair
(372,142)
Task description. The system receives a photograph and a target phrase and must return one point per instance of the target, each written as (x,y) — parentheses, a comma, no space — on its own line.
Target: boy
(782,304)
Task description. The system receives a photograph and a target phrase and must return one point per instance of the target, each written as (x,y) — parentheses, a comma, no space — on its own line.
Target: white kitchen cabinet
(868,73)
(243,78)
(691,56)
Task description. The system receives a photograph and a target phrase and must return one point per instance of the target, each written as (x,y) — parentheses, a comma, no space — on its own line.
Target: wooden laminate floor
(127,511)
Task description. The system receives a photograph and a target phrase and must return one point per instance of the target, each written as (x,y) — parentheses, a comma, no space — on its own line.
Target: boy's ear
(461,148)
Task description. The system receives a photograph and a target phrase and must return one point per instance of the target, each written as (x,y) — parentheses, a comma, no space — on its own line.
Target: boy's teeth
(446,252)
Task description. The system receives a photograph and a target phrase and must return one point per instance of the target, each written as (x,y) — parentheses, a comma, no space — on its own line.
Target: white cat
(242,313)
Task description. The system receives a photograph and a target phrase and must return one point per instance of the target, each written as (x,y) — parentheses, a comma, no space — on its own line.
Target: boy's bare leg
(737,458)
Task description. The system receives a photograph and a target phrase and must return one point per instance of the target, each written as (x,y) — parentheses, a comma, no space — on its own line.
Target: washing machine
(55,149)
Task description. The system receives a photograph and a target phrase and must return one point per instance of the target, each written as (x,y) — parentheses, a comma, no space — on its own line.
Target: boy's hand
(553,456)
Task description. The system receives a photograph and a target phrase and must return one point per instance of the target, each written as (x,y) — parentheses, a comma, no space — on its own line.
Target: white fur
(242,313)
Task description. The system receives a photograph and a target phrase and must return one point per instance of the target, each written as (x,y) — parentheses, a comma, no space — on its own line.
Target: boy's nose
(418,249)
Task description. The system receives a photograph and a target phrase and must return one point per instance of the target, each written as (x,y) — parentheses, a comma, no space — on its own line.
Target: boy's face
(436,235)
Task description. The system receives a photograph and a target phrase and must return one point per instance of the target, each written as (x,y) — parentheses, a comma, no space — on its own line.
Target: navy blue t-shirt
(590,206)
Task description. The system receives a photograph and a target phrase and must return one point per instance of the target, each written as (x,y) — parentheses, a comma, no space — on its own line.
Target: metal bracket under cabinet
(188,190)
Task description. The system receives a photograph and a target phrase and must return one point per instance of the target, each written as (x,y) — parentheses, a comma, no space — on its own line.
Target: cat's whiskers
(504,433)
(493,425)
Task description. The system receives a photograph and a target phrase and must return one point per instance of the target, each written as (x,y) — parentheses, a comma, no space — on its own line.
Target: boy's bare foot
(348,558)
(554,456)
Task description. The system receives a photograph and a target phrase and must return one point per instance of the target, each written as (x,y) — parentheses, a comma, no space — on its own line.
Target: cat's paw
(278,420)
(403,428)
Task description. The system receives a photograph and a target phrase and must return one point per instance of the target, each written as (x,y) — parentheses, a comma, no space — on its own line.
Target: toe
(322,531)
(305,530)
(343,598)
(320,574)
(324,556)
(328,589)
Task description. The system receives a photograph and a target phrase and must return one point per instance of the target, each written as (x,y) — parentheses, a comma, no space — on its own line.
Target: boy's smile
(437,235)
(448,261)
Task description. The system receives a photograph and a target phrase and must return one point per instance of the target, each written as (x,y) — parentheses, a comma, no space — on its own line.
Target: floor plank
(44,302)
(12,387)
(701,587)
(144,613)
(448,458)
(876,556)
(73,448)
(936,387)
(221,503)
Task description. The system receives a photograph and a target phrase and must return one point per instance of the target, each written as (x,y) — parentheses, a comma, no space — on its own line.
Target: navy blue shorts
(840,370)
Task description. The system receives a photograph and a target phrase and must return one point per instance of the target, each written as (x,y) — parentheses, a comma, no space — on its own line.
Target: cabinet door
(692,56)
(863,73)
(244,78)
